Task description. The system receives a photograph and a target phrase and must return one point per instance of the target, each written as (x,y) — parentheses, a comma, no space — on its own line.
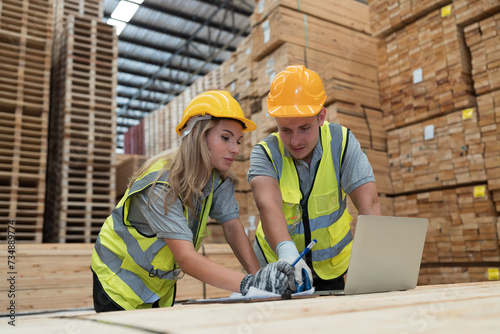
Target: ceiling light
(124,11)
(118,24)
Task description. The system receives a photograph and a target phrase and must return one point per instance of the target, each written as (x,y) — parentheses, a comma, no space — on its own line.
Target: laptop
(386,255)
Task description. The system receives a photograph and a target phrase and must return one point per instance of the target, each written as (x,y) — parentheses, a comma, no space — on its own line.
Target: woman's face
(223,141)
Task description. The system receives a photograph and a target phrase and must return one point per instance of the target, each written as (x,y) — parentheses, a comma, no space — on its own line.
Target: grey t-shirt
(152,220)
(354,172)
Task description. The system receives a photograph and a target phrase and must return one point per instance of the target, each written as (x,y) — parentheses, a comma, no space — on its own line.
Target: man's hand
(287,251)
(276,277)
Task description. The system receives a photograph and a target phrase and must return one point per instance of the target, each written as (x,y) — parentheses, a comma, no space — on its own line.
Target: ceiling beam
(193,18)
(141,74)
(233,8)
(168,32)
(179,51)
(165,49)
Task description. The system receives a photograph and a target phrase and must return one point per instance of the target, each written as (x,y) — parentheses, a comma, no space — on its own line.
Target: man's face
(300,134)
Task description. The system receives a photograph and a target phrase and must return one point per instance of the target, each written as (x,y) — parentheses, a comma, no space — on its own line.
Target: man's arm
(238,240)
(267,194)
(365,198)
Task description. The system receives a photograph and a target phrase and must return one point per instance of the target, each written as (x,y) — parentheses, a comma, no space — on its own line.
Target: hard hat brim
(295,111)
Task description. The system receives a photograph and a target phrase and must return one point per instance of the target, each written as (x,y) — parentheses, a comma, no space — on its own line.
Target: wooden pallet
(440,53)
(462,223)
(25,44)
(483,39)
(82,180)
(452,155)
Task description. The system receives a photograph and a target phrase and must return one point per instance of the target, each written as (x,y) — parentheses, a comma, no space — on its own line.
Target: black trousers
(331,284)
(102,302)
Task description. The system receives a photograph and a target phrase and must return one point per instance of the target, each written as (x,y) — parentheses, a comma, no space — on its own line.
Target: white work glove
(275,277)
(287,251)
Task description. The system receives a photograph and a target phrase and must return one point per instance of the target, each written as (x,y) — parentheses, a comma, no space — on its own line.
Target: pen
(304,252)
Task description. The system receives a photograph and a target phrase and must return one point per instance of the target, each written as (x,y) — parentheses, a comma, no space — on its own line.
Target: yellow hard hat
(217,103)
(296,92)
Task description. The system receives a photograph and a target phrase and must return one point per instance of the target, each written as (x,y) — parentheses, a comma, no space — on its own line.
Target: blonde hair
(189,167)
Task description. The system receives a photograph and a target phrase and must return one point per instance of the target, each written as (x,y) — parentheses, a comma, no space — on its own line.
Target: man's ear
(322,116)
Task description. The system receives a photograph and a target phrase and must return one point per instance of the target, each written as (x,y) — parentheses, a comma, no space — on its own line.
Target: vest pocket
(325,204)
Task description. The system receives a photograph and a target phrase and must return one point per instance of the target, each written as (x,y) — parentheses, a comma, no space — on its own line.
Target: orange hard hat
(217,103)
(296,92)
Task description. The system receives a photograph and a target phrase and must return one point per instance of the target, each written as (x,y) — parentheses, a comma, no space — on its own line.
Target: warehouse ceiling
(167,45)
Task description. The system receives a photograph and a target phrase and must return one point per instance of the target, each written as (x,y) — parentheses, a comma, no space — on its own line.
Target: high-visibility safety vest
(134,269)
(325,218)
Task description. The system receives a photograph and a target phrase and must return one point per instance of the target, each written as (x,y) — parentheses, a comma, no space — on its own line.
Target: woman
(153,234)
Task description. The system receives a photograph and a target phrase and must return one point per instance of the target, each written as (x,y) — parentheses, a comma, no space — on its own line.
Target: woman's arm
(236,237)
(195,264)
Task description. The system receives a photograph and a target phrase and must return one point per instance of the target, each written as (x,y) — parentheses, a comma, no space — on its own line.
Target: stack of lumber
(287,25)
(51,277)
(454,275)
(126,166)
(81,191)
(440,152)
(462,224)
(435,58)
(345,13)
(424,72)
(387,16)
(489,121)
(25,61)
(483,38)
(469,11)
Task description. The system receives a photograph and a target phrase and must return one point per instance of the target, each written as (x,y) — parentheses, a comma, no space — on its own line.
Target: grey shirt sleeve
(356,169)
(260,164)
(153,219)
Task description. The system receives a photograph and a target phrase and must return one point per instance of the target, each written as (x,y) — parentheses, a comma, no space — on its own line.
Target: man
(300,177)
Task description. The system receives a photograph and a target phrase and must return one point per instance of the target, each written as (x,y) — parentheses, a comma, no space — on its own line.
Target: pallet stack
(25,61)
(83,126)
(442,131)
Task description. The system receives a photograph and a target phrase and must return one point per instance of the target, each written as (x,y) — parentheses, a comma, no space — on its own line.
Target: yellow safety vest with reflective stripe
(135,269)
(325,218)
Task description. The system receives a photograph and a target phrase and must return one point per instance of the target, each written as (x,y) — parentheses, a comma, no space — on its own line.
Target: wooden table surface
(454,308)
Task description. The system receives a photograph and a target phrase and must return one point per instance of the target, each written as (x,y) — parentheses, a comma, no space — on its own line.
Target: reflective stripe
(328,253)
